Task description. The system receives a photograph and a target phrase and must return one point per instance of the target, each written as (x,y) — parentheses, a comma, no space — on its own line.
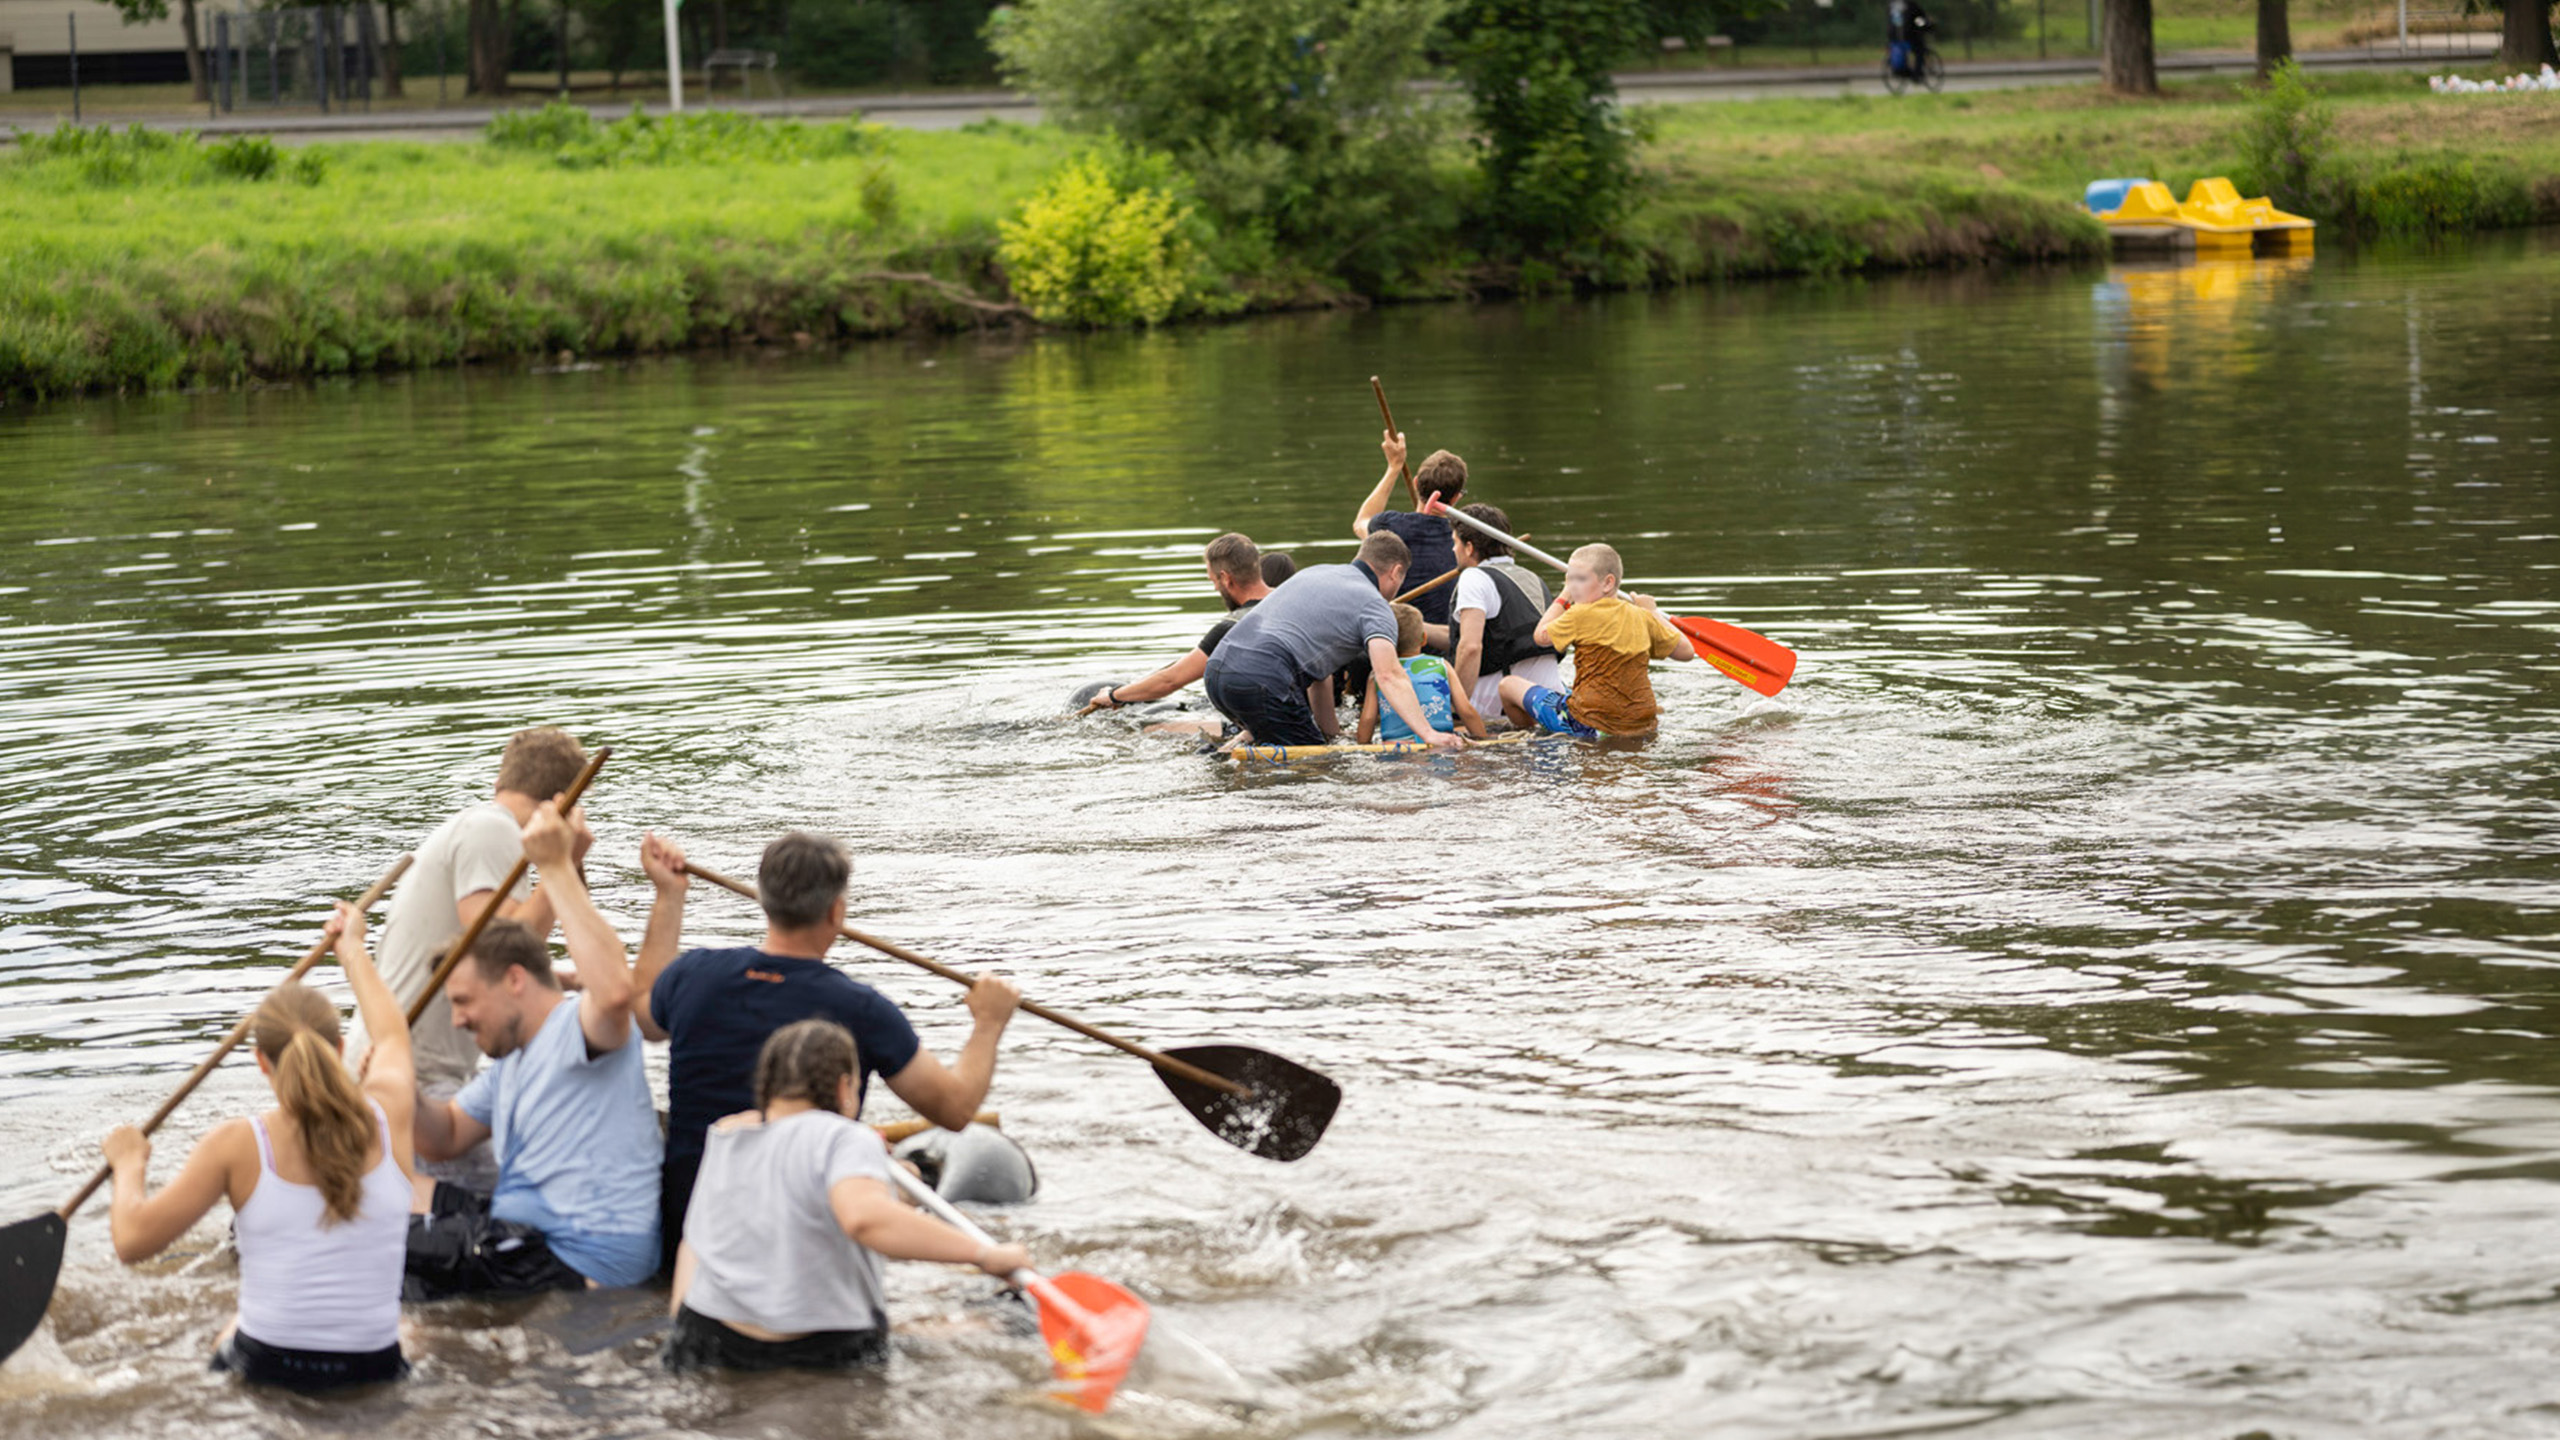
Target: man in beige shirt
(455,871)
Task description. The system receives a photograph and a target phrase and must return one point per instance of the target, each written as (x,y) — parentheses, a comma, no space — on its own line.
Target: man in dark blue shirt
(717,1007)
(1424,534)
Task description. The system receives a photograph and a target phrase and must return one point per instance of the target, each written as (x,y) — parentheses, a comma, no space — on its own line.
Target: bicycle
(1922,65)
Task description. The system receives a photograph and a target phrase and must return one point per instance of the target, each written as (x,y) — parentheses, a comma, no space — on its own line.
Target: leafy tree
(1558,153)
(1295,119)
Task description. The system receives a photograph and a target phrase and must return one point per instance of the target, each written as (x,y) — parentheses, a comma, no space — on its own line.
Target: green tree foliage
(1558,152)
(1294,118)
(1087,251)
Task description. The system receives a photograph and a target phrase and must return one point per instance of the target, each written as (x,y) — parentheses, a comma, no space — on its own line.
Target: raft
(1296,754)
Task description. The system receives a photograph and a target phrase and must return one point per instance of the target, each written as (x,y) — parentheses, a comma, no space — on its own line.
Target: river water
(2109,993)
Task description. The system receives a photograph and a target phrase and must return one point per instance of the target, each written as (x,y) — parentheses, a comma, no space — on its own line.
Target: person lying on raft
(566,1106)
(780,1265)
(1613,638)
(718,1008)
(456,869)
(1426,535)
(1273,675)
(319,1189)
(1447,707)
(1235,569)
(1493,623)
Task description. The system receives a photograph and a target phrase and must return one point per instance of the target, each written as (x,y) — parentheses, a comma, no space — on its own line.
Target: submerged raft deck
(1296,754)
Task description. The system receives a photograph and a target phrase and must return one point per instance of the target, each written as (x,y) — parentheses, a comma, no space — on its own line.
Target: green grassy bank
(137,265)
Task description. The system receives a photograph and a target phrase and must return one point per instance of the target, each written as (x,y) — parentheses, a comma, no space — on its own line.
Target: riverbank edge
(228,321)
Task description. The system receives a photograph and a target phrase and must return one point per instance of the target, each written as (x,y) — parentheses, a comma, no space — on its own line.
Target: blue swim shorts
(1547,707)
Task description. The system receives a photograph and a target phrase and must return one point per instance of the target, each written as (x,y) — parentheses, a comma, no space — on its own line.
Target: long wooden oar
(1389,416)
(1094,1328)
(470,936)
(1252,1099)
(1754,660)
(31,1250)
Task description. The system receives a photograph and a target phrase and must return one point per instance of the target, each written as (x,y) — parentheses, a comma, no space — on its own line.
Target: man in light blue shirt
(567,1106)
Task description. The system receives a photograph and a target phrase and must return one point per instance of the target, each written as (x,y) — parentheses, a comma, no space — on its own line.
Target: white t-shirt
(1476,591)
(766,1246)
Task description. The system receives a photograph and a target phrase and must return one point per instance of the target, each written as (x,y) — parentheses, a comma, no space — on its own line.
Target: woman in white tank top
(320,1187)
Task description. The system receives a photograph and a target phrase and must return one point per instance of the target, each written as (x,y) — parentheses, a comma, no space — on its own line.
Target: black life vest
(1510,636)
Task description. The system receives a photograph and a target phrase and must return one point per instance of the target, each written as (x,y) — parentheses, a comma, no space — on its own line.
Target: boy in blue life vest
(1443,703)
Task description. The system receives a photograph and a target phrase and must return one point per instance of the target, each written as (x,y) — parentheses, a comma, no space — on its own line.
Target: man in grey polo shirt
(1324,618)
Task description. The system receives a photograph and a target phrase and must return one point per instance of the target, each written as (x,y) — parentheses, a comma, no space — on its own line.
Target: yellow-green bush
(1085,251)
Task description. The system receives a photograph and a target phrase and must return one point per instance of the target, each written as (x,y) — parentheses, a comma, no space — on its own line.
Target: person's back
(1614,644)
(768,1250)
(1310,627)
(311,1281)
(468,853)
(1435,686)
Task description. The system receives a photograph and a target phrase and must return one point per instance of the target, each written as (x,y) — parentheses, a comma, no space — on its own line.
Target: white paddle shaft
(1516,543)
(949,1214)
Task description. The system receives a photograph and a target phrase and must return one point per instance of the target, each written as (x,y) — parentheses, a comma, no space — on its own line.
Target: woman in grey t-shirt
(780,1266)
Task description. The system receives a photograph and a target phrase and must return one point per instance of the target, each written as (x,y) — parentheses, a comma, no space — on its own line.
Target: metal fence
(324,55)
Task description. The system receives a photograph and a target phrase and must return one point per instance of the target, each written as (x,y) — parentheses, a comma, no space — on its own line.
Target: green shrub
(1296,120)
(552,128)
(1558,154)
(1088,252)
(245,157)
(2284,140)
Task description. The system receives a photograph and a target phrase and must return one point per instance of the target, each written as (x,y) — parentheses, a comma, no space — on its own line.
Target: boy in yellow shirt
(1614,639)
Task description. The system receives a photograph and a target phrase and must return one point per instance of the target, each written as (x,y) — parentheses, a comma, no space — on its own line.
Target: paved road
(950,111)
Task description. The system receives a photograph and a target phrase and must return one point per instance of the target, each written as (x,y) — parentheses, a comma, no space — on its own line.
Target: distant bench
(744,62)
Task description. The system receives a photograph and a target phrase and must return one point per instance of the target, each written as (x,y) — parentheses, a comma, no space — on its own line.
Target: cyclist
(1906,33)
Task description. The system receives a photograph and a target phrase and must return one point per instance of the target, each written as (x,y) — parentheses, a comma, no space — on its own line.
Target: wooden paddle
(31,1250)
(1252,1099)
(470,936)
(1752,659)
(1094,1328)
(1389,416)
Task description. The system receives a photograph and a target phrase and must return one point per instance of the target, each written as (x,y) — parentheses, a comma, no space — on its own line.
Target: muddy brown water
(2110,993)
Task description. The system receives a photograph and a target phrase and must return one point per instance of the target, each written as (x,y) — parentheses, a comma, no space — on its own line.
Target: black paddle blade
(1282,1119)
(30,1263)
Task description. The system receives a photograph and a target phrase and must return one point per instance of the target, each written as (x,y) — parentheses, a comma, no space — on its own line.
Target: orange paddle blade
(1094,1329)
(1754,660)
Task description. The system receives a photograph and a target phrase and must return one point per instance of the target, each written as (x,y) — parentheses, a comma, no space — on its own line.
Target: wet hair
(1441,474)
(1485,546)
(1277,568)
(541,762)
(507,944)
(1603,561)
(1235,557)
(806,1060)
(297,1030)
(1383,551)
(1409,633)
(800,877)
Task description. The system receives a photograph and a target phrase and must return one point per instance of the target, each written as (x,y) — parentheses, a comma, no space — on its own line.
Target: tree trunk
(2124,49)
(391,52)
(719,24)
(488,67)
(196,75)
(2526,41)
(2275,36)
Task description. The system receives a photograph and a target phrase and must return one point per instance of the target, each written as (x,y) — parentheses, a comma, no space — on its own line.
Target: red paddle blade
(1094,1329)
(1754,660)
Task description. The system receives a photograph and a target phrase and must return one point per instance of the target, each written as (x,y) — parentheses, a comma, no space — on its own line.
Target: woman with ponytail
(319,1186)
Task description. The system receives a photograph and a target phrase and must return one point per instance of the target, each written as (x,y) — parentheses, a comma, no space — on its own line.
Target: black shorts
(308,1371)
(1267,701)
(458,1248)
(702,1343)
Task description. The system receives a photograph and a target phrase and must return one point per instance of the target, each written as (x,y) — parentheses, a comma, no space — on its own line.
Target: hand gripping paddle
(1094,1328)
